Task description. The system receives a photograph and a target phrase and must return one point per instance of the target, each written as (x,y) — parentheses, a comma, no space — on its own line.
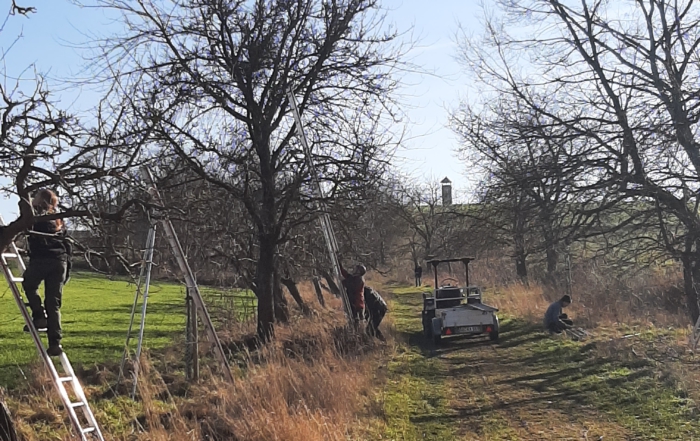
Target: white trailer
(451,310)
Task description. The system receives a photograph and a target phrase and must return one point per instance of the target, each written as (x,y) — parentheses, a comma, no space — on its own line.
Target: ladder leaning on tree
(85,427)
(324,219)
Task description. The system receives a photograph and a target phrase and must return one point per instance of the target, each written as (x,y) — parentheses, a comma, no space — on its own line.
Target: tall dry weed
(308,384)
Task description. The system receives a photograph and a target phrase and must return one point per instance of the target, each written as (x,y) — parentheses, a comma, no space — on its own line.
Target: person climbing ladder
(49,261)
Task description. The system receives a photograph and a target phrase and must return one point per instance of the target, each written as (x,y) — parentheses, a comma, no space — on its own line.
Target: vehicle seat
(473,295)
(449,292)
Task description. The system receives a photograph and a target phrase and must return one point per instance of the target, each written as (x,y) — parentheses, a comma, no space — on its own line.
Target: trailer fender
(496,325)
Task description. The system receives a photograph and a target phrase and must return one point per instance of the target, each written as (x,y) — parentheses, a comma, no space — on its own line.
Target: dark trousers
(358,314)
(418,281)
(375,318)
(561,325)
(53,273)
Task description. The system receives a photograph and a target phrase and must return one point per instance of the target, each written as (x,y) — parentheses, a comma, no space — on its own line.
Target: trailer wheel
(493,335)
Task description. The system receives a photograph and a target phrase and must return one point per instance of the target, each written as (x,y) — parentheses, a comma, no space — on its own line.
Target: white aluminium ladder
(142,288)
(324,218)
(86,427)
(190,282)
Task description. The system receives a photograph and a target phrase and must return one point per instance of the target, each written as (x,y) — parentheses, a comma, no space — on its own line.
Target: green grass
(95,317)
(415,400)
(416,397)
(531,386)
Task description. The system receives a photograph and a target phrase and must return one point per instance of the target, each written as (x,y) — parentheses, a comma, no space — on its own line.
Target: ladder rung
(9,256)
(65,379)
(17,279)
(88,430)
(76,405)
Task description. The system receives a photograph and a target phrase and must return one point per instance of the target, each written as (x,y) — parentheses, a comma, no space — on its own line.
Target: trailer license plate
(462,329)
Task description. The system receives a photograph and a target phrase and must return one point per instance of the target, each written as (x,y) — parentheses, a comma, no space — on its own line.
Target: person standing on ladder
(49,261)
(354,284)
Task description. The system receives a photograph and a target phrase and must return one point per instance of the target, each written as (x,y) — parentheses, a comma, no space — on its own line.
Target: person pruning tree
(354,284)
(49,261)
(555,321)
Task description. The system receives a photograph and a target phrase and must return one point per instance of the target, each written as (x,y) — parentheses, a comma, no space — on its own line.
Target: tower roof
(445,181)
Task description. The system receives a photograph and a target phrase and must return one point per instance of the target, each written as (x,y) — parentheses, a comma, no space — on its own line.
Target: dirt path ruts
(503,391)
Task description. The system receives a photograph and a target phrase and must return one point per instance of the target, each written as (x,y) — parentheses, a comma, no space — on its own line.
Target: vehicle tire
(493,336)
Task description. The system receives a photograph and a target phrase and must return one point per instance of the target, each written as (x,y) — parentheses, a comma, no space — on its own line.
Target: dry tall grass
(602,295)
(309,384)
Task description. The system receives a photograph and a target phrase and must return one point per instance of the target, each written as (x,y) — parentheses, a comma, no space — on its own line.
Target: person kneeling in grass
(555,321)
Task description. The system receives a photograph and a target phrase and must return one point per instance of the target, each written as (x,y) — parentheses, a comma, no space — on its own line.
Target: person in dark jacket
(418,273)
(49,256)
(555,321)
(354,284)
(376,310)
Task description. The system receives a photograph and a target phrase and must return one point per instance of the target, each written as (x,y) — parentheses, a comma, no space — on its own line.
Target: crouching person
(555,321)
(376,310)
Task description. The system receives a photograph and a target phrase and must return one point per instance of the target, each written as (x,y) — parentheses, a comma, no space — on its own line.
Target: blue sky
(50,36)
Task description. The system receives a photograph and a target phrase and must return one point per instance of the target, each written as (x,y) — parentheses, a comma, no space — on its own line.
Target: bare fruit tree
(42,145)
(214,76)
(619,82)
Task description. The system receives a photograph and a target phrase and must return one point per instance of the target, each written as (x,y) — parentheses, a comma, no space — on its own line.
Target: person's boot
(54,349)
(40,324)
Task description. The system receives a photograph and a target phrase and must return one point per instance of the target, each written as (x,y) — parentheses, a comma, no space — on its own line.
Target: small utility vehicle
(451,310)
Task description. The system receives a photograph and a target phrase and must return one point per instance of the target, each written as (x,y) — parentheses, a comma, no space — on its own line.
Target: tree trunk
(331,283)
(296,295)
(319,292)
(281,305)
(264,280)
(690,285)
(552,261)
(521,259)
(519,228)
(521,268)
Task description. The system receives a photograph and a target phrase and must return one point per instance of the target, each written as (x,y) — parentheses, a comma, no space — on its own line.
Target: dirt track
(529,386)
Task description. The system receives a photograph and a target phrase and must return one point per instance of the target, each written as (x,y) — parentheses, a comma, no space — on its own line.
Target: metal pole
(434,265)
(194,341)
(466,269)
